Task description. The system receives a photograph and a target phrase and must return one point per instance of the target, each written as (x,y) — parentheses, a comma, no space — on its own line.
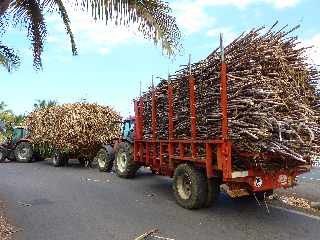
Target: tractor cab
(18,134)
(128,129)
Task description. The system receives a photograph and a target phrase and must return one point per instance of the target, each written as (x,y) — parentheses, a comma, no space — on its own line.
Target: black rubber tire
(104,160)
(82,162)
(264,194)
(65,159)
(2,155)
(37,157)
(23,152)
(198,186)
(213,191)
(128,167)
(57,158)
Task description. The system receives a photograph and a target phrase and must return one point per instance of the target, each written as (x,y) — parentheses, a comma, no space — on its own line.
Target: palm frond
(152,17)
(8,58)
(29,13)
(4,19)
(58,5)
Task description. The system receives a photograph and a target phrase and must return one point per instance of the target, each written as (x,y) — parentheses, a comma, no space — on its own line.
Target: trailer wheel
(23,152)
(2,155)
(125,166)
(190,186)
(213,191)
(264,194)
(104,160)
(65,159)
(82,162)
(57,158)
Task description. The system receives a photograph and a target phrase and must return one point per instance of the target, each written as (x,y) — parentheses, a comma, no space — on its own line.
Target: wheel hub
(122,161)
(55,158)
(184,186)
(101,160)
(23,153)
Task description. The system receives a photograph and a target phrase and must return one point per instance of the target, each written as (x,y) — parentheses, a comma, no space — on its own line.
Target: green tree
(19,119)
(8,120)
(152,17)
(39,104)
(2,106)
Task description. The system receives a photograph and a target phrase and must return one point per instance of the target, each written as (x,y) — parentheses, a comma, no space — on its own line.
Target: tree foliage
(40,104)
(151,16)
(8,121)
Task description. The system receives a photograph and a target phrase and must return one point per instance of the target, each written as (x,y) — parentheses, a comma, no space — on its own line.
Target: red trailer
(196,179)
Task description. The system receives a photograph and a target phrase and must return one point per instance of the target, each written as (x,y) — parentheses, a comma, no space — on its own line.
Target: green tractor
(17,147)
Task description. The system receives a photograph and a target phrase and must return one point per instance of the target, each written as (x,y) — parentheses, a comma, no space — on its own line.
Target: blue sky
(112,61)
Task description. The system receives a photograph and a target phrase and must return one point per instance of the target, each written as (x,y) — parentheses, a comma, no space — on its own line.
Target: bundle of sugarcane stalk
(272,104)
(78,127)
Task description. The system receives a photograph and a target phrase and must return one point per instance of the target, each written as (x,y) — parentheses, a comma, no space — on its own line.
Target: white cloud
(314,52)
(283,3)
(228,34)
(192,17)
(93,35)
(246,3)
(52,39)
(104,51)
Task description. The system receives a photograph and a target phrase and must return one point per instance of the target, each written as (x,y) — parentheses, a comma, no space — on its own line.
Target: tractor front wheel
(190,187)
(125,165)
(23,152)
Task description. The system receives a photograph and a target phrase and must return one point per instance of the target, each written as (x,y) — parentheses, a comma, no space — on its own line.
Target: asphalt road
(72,203)
(308,186)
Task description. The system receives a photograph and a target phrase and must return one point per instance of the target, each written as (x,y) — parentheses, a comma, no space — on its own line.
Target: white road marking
(310,178)
(164,238)
(296,212)
(95,180)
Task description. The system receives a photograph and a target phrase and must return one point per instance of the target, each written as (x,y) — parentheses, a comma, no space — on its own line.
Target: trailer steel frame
(172,151)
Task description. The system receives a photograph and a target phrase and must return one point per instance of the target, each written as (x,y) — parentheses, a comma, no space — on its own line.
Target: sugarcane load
(271,101)
(79,129)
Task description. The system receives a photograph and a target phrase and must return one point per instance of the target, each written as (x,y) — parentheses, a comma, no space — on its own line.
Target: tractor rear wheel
(23,152)
(125,165)
(57,158)
(2,155)
(190,186)
(105,160)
